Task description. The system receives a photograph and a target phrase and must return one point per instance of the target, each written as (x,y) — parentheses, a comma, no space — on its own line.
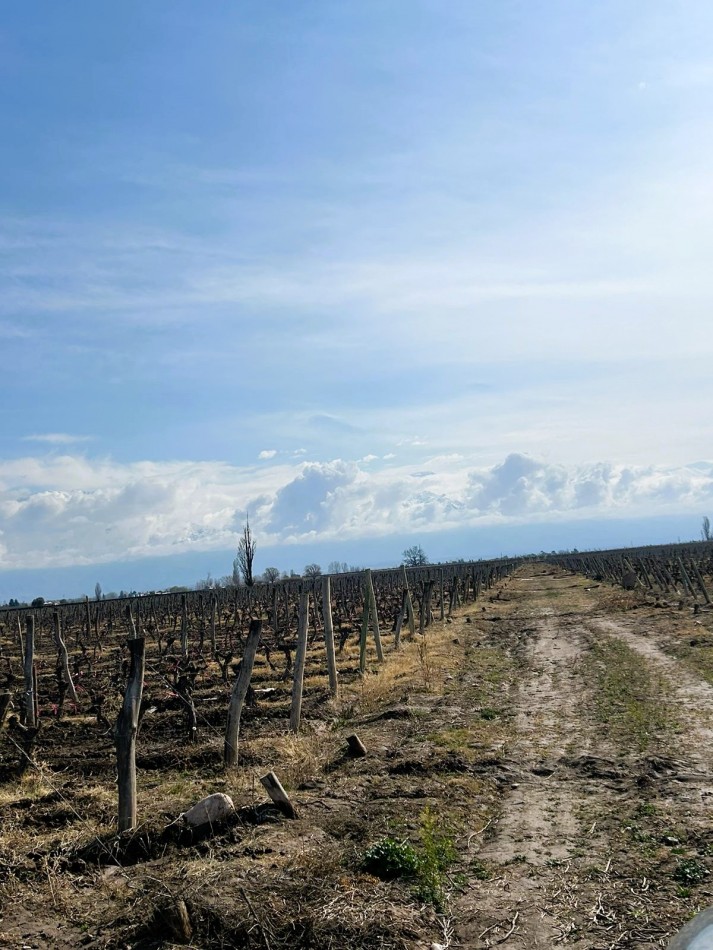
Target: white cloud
(267,454)
(73,510)
(57,438)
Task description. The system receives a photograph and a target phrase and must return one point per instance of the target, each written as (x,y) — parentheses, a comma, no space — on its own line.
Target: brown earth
(546,752)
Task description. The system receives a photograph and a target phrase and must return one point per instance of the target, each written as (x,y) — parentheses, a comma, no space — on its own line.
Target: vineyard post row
(677,570)
(278,616)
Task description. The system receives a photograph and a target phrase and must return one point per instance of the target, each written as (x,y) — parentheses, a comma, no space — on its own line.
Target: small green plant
(390,858)
(479,870)
(437,854)
(689,872)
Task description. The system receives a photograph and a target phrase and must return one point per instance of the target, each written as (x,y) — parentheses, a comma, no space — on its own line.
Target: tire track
(694,706)
(538,829)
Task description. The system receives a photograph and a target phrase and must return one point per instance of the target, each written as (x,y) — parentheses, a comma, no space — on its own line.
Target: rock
(211,810)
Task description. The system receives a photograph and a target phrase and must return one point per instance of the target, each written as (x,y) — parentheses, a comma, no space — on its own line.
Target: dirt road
(603,838)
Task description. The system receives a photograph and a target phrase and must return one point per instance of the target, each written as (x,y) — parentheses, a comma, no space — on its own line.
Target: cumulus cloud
(523,486)
(305,505)
(63,510)
(267,454)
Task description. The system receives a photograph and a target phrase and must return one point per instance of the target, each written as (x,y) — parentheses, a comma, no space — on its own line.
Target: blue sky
(372,271)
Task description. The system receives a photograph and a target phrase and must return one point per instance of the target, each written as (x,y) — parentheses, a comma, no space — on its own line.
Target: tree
(337,567)
(243,563)
(38,602)
(706,529)
(312,570)
(98,591)
(270,575)
(415,556)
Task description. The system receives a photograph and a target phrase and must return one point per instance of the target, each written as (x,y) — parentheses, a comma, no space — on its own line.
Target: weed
(479,870)
(690,872)
(437,854)
(630,696)
(424,660)
(390,858)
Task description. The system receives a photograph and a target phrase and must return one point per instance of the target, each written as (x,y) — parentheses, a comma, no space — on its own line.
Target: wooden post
(329,634)
(96,627)
(87,621)
(364,633)
(213,616)
(300,658)
(30,717)
(687,585)
(240,691)
(64,657)
(20,642)
(184,626)
(409,604)
(425,614)
(403,613)
(700,581)
(130,623)
(274,789)
(374,616)
(127,727)
(443,606)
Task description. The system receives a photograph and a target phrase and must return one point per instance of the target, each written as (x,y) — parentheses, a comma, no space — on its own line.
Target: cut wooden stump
(280,799)
(355,746)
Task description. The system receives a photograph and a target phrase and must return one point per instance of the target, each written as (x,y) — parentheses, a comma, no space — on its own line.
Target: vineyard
(509,752)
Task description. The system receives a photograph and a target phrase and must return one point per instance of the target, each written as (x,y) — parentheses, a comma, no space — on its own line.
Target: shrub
(390,858)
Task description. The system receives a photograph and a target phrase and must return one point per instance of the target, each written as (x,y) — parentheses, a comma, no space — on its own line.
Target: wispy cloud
(57,438)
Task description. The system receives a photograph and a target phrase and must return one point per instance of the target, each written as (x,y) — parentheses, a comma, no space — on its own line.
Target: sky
(374,273)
